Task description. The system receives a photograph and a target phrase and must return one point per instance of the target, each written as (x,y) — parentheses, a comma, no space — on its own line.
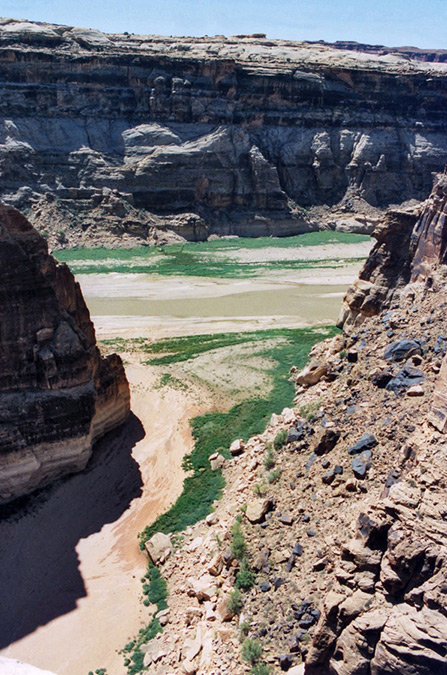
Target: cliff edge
(124,139)
(57,395)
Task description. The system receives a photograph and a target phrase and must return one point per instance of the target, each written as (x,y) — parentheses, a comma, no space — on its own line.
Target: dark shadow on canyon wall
(39,575)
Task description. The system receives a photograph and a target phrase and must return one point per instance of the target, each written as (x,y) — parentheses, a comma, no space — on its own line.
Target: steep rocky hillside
(333,522)
(135,134)
(57,395)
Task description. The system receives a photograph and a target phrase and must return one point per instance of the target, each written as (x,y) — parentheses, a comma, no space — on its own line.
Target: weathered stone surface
(57,395)
(413,642)
(257,509)
(366,442)
(312,373)
(401,350)
(204,130)
(159,548)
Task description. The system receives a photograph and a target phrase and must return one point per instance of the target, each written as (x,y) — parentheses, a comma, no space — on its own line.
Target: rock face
(409,244)
(210,135)
(57,395)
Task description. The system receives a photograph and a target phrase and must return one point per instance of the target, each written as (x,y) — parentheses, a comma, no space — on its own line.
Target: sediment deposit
(57,395)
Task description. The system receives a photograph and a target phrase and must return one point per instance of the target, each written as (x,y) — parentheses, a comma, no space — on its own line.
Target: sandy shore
(108,611)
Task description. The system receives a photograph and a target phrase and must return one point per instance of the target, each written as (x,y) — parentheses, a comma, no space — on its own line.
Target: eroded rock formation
(409,244)
(57,395)
(231,135)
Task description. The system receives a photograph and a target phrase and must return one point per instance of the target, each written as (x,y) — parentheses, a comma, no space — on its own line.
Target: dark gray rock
(327,441)
(401,350)
(405,378)
(366,442)
(298,550)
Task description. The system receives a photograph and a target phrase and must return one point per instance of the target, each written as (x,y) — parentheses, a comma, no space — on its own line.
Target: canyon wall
(410,243)
(234,135)
(57,395)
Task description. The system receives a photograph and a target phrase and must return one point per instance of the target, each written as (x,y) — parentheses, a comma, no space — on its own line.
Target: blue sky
(420,23)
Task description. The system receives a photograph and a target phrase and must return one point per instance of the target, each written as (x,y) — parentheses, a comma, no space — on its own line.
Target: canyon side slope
(126,139)
(57,395)
(344,523)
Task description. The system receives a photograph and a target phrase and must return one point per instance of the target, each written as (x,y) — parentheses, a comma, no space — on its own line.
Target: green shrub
(261,669)
(259,490)
(238,545)
(269,459)
(251,651)
(235,603)
(280,439)
(273,476)
(245,578)
(309,410)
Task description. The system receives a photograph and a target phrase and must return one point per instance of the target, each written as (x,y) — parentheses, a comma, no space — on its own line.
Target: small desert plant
(309,410)
(259,490)
(238,545)
(261,669)
(280,439)
(273,476)
(269,459)
(234,602)
(251,651)
(245,578)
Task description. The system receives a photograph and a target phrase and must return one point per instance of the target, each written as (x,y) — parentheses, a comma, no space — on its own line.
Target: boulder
(237,447)
(366,442)
(327,441)
(159,548)
(257,509)
(402,349)
(312,373)
(203,588)
(361,464)
(412,641)
(217,461)
(405,378)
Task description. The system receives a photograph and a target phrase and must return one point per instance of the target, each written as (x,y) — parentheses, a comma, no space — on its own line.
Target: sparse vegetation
(235,603)
(238,545)
(200,259)
(269,459)
(273,476)
(280,439)
(251,651)
(309,410)
(245,578)
(261,669)
(259,489)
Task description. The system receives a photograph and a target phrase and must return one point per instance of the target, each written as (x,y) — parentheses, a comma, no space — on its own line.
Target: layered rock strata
(57,395)
(410,243)
(208,135)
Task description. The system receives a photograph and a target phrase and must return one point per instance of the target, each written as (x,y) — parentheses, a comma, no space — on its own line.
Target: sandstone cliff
(237,135)
(410,243)
(346,541)
(57,395)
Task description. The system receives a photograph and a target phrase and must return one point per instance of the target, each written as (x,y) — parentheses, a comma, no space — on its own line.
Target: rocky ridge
(341,505)
(57,395)
(141,137)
